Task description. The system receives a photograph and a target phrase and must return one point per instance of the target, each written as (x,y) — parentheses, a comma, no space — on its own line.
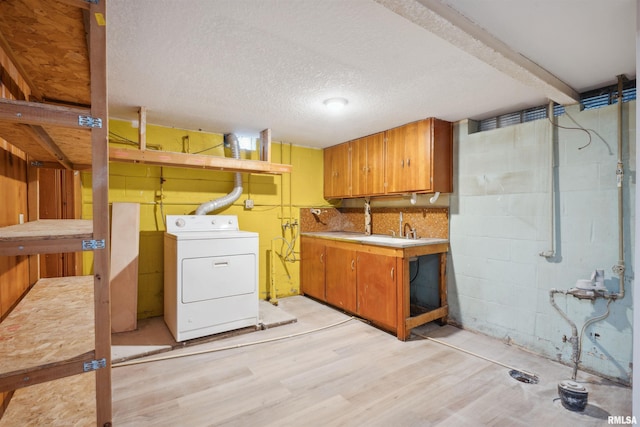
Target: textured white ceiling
(245,65)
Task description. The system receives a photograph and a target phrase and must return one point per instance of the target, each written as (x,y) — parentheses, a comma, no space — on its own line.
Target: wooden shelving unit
(53,106)
(57,341)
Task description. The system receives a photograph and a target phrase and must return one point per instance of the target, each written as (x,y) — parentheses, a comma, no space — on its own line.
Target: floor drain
(523,378)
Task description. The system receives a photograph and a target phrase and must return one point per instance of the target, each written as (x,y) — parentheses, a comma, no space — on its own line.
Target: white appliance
(210,275)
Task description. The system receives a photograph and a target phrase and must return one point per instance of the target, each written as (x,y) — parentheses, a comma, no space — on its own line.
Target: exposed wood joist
(197,161)
(448,24)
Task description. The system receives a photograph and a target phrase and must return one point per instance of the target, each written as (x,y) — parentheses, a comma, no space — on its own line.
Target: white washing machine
(210,275)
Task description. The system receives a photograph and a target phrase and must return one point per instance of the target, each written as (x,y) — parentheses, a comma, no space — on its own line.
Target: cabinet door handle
(353,264)
(392,271)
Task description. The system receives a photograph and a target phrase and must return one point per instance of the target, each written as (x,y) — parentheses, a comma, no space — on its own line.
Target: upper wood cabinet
(367,165)
(409,158)
(419,157)
(337,171)
(413,158)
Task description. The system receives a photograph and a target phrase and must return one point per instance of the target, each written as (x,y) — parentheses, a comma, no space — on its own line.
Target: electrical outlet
(248,204)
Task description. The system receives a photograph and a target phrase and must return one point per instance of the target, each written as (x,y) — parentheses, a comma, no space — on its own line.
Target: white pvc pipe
(551,252)
(619,268)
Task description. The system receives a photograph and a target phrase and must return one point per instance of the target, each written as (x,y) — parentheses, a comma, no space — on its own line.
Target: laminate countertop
(376,239)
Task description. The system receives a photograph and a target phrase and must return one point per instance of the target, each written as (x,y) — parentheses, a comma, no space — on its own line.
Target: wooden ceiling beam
(456,29)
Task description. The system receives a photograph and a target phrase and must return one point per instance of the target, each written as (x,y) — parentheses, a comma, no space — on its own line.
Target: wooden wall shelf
(197,161)
(51,325)
(45,236)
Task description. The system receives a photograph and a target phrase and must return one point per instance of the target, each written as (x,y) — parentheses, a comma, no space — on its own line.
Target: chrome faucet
(412,231)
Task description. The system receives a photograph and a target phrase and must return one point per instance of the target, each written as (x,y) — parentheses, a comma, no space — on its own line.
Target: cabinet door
(359,167)
(409,158)
(375,164)
(340,278)
(312,269)
(337,171)
(367,165)
(417,146)
(394,174)
(376,289)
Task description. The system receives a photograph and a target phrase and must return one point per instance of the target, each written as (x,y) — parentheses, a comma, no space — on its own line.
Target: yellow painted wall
(277,201)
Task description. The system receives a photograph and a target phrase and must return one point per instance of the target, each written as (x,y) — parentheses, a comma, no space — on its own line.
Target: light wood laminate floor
(352,374)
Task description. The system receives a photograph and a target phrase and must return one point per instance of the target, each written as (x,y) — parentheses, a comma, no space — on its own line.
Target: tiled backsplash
(428,222)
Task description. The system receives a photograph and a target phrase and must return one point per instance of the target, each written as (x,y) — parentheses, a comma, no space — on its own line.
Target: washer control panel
(181,223)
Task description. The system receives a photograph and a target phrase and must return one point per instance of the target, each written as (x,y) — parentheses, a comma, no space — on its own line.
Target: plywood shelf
(51,332)
(74,403)
(45,236)
(197,161)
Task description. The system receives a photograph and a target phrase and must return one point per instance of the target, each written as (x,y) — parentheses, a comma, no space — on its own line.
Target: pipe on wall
(224,201)
(552,251)
(619,268)
(574,340)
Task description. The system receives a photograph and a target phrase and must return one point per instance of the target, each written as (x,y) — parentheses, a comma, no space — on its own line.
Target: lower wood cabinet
(377,289)
(370,281)
(358,282)
(312,253)
(340,278)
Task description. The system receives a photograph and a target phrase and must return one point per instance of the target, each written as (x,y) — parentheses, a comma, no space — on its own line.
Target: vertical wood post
(100,176)
(142,128)
(265,145)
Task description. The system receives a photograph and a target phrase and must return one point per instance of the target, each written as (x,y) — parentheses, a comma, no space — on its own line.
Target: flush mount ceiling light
(335,104)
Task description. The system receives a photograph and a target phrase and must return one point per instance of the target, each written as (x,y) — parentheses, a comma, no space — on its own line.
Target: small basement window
(589,100)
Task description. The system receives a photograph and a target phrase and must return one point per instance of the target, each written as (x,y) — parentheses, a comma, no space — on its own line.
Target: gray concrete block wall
(500,222)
